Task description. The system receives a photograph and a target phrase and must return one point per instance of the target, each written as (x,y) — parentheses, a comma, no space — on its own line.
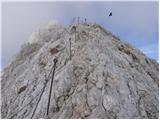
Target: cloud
(19,20)
(151,50)
(134,22)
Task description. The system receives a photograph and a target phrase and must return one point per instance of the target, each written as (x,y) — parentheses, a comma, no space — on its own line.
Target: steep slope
(96,76)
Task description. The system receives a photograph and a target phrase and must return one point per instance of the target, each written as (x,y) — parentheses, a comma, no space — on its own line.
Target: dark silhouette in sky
(110,14)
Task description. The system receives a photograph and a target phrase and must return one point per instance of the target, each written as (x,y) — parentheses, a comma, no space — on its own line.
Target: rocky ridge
(96,76)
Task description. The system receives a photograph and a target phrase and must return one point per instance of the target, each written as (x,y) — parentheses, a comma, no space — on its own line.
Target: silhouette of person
(85,20)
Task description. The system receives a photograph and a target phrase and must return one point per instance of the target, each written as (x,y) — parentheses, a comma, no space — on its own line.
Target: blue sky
(133,22)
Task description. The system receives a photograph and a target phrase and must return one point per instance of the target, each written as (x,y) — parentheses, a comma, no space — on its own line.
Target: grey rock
(98,76)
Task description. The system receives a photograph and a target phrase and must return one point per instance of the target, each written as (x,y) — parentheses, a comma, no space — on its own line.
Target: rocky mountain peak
(79,71)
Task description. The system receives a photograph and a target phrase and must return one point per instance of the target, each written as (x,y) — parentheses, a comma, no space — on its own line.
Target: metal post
(75,34)
(70,48)
(55,61)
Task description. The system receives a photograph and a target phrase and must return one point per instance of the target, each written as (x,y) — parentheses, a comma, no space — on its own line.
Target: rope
(55,61)
(41,93)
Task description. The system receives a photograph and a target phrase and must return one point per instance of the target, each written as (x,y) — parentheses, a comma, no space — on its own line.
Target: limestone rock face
(96,76)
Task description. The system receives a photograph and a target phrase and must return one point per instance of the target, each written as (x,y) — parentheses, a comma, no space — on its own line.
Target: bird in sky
(110,14)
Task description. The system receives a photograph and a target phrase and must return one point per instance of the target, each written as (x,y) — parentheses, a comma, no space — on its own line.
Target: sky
(133,22)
